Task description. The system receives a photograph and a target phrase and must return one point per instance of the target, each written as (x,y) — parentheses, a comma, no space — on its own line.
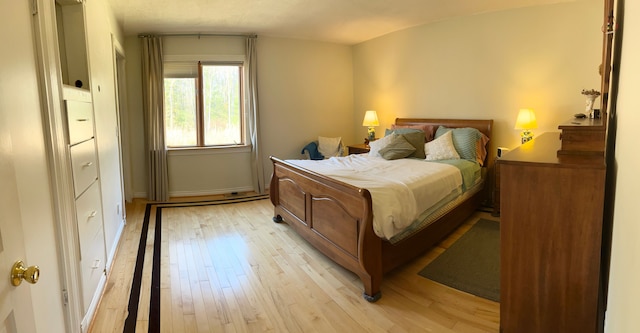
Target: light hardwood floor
(229,268)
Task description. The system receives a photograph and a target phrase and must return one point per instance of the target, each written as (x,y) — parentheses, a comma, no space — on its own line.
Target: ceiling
(338,21)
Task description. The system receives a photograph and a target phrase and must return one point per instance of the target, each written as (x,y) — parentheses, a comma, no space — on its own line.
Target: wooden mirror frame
(608,29)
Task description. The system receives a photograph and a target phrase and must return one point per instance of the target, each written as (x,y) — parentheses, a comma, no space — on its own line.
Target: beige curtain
(153,105)
(252,113)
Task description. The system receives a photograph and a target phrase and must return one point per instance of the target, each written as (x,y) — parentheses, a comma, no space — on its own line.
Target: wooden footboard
(312,204)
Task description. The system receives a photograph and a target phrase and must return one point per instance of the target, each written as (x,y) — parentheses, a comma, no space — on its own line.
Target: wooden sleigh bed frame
(337,218)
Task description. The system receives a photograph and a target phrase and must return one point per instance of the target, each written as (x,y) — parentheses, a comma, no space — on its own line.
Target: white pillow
(375,146)
(329,147)
(441,148)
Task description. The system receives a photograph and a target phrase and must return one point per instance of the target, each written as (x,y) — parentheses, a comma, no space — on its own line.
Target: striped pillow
(464,140)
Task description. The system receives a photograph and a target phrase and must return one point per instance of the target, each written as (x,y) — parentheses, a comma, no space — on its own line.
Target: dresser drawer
(92,269)
(83,163)
(91,238)
(586,141)
(79,121)
(89,215)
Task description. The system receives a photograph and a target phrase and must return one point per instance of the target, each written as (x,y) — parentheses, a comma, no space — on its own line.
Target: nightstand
(360,148)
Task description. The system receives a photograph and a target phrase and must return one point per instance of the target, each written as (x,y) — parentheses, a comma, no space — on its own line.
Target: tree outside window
(205,110)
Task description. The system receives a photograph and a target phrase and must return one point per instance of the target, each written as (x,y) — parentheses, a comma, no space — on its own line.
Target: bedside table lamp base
(526,136)
(372,133)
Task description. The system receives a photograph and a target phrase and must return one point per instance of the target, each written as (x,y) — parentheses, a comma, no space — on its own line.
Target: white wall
(624,292)
(305,90)
(485,66)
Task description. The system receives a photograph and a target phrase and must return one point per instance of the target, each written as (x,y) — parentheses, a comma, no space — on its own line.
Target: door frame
(119,71)
(63,200)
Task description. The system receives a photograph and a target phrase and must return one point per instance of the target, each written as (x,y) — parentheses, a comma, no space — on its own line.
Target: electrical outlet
(502,151)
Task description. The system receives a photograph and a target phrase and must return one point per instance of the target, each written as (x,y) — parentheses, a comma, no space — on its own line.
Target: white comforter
(400,189)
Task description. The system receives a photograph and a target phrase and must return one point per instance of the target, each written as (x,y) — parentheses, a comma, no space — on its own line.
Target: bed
(337,217)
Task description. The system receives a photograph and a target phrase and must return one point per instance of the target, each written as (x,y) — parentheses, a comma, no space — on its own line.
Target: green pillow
(402,130)
(397,148)
(415,137)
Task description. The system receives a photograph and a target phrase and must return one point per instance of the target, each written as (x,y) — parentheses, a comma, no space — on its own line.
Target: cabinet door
(79,121)
(92,247)
(83,162)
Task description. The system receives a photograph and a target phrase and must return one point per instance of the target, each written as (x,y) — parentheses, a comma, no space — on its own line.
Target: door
(16,313)
(27,229)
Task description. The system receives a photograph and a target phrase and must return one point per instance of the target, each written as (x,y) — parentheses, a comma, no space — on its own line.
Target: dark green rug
(472,263)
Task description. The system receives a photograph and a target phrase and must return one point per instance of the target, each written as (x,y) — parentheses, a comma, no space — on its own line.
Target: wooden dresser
(550,237)
(583,137)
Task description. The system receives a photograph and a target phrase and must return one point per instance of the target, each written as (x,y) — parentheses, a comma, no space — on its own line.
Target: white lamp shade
(526,120)
(370,119)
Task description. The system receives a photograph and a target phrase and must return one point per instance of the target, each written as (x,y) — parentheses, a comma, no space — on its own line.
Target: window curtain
(153,107)
(252,114)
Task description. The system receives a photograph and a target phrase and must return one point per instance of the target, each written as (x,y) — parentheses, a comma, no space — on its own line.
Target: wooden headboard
(483,125)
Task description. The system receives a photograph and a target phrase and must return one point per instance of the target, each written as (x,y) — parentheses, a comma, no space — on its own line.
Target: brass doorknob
(19,272)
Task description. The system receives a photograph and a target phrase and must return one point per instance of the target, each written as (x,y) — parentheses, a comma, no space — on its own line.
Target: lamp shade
(370,119)
(526,120)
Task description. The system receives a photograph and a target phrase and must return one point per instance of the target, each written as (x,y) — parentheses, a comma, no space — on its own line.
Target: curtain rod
(199,35)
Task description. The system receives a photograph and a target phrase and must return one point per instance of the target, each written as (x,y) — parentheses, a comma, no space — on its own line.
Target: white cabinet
(86,186)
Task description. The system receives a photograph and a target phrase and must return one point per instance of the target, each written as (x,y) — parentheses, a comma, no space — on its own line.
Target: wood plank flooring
(229,268)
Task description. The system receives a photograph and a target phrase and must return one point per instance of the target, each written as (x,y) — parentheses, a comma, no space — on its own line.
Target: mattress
(401,190)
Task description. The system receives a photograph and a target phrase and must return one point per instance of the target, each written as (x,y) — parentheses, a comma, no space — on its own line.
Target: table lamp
(371,120)
(526,121)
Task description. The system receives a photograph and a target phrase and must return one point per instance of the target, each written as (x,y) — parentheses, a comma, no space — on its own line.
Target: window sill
(182,151)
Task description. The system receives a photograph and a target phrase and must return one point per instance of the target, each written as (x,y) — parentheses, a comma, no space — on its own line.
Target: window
(203,104)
